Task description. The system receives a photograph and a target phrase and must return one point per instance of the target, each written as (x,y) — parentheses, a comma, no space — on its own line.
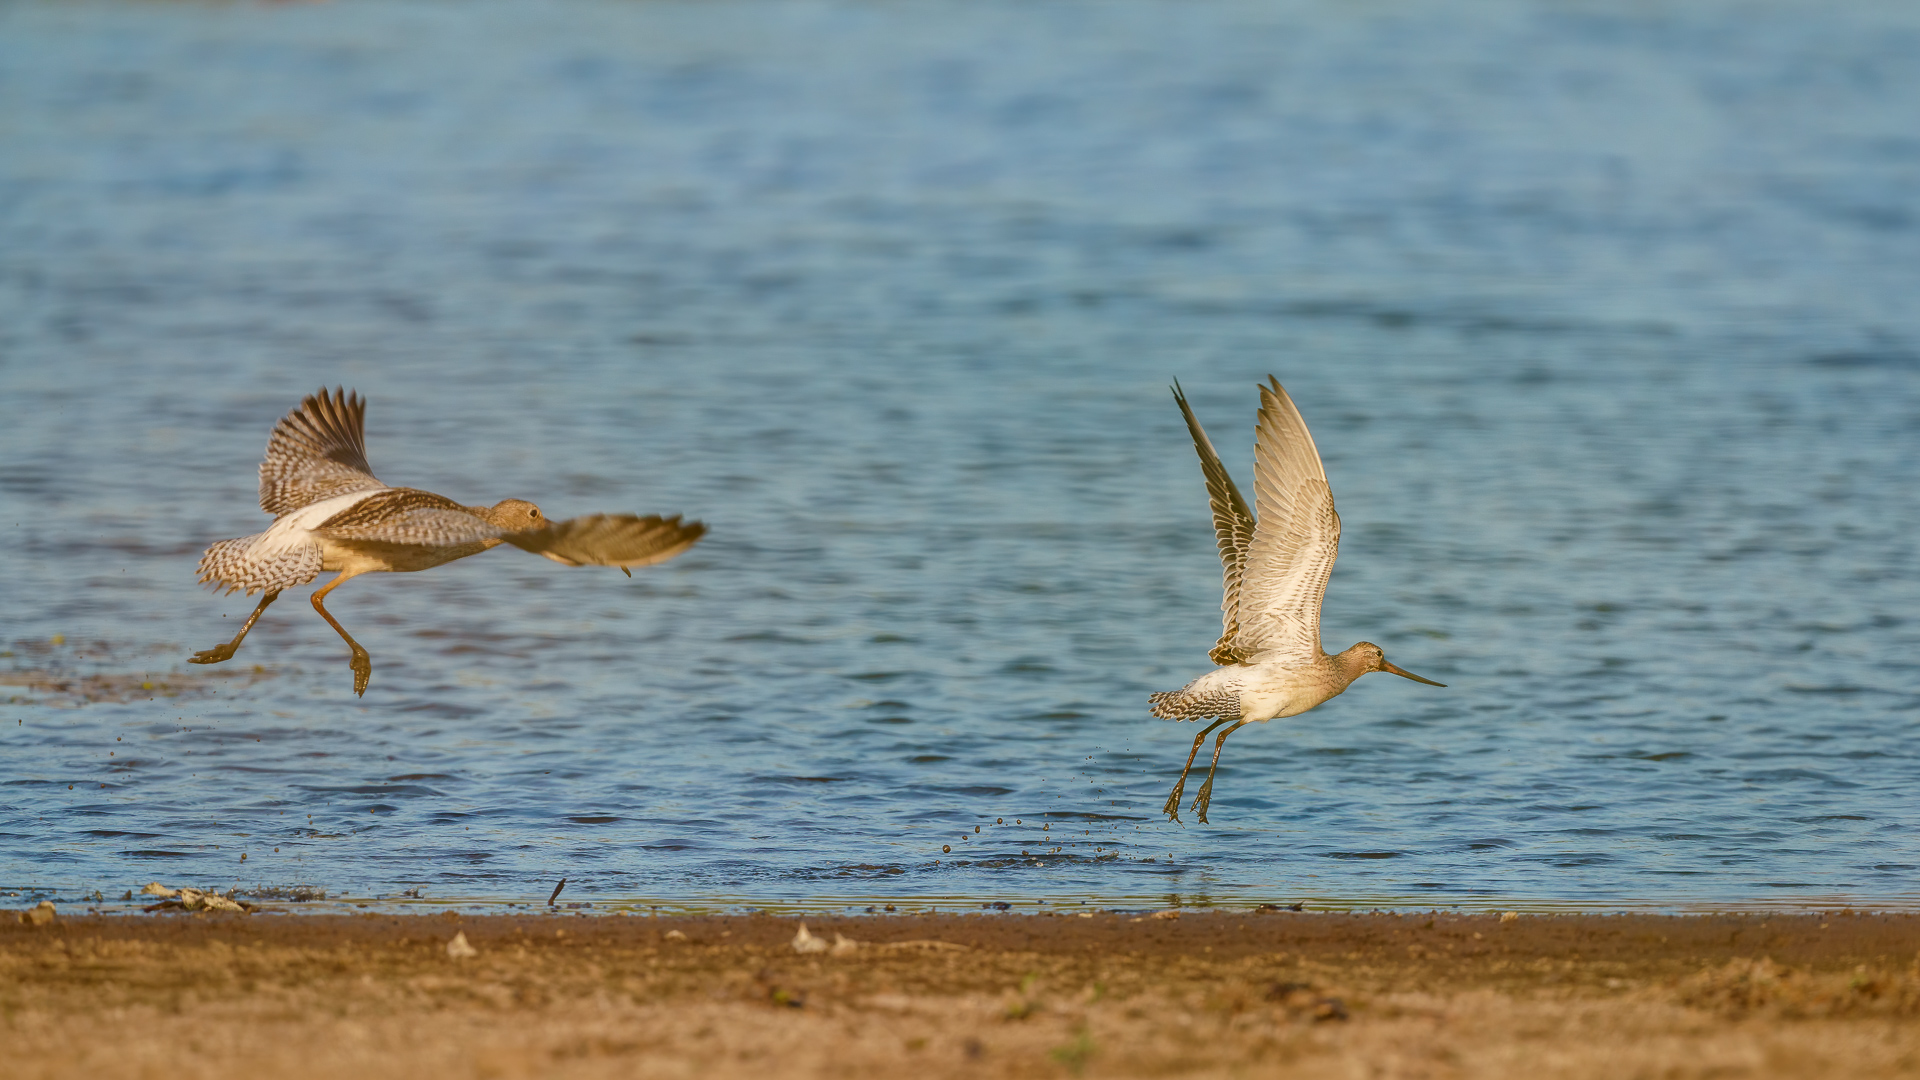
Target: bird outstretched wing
(317,452)
(621,540)
(1294,543)
(1233,525)
(409,516)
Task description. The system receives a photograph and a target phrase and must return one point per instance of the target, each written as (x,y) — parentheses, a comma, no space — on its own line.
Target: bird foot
(1201,800)
(1172,809)
(362,671)
(212,656)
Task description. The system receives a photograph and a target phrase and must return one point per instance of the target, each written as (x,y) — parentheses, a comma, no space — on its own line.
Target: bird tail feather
(1184,704)
(239,564)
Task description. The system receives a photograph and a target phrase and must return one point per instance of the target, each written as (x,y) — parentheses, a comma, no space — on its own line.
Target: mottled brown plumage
(317,452)
(331,514)
(1275,569)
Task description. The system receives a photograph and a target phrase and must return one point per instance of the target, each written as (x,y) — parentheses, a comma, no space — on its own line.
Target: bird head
(518,515)
(1366,656)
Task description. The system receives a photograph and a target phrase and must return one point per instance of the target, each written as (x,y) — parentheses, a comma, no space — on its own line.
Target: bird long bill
(1405,674)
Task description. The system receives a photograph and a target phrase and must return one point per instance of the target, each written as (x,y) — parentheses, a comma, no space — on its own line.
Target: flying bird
(1276,569)
(331,514)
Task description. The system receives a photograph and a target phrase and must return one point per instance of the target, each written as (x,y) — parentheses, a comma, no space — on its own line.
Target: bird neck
(487,514)
(1350,665)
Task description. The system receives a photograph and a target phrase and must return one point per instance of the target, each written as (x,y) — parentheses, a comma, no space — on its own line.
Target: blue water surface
(1603,317)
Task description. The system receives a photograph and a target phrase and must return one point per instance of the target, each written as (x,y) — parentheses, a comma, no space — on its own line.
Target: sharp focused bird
(1276,569)
(331,514)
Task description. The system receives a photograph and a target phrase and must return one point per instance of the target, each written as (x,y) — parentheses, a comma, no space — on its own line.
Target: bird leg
(1172,809)
(1201,800)
(225,652)
(361,663)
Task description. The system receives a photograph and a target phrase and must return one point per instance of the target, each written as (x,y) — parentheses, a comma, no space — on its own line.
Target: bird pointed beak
(1405,674)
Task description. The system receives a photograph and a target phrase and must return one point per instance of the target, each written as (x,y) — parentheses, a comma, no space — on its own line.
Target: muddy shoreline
(965,995)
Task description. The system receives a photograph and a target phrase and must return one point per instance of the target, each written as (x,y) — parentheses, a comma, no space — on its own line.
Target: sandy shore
(1217,994)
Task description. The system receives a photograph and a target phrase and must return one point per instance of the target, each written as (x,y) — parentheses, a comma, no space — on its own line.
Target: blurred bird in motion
(1276,572)
(331,514)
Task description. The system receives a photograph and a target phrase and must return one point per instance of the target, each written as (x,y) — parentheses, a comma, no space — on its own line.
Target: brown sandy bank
(1309,995)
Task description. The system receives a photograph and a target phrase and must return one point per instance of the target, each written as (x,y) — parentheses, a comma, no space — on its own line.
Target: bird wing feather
(409,516)
(316,452)
(622,540)
(1233,526)
(1295,542)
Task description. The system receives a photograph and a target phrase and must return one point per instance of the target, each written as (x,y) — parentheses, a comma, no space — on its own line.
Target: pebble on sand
(806,942)
(459,949)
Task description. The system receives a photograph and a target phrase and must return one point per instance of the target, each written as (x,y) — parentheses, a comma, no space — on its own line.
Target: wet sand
(1215,994)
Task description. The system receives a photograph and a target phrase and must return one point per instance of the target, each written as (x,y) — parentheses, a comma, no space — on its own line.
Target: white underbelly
(1270,695)
(296,529)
